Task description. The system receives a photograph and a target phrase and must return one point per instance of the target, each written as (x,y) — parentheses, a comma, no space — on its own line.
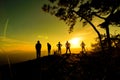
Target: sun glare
(75,42)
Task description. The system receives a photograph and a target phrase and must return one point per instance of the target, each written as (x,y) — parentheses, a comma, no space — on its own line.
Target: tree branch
(99,35)
(99,16)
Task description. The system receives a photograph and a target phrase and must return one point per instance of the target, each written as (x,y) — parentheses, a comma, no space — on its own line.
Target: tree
(115,40)
(85,10)
(115,44)
(96,46)
(109,11)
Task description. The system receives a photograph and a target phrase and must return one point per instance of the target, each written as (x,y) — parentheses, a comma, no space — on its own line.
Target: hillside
(64,67)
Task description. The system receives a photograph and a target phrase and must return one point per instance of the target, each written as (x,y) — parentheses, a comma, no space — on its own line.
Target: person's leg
(38,55)
(69,51)
(60,51)
(66,50)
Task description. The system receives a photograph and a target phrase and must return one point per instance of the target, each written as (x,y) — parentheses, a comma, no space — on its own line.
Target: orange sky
(21,25)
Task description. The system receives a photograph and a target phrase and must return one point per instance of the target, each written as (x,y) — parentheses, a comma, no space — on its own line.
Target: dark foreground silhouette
(65,67)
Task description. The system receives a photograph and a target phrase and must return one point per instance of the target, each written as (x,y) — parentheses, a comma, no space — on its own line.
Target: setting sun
(75,42)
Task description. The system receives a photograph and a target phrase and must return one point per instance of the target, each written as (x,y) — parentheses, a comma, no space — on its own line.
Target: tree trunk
(98,33)
(108,37)
(107,20)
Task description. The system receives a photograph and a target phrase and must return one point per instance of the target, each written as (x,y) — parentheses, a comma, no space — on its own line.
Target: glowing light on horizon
(75,42)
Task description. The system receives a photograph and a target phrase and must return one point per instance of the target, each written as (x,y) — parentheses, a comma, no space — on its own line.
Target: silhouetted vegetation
(115,42)
(85,10)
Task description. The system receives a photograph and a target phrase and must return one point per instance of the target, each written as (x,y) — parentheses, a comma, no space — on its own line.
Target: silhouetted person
(49,48)
(59,45)
(38,49)
(83,47)
(67,45)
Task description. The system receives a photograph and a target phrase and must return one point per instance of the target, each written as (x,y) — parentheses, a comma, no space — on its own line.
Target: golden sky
(22,23)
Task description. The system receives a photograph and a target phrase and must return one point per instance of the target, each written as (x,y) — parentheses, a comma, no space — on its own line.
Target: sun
(75,42)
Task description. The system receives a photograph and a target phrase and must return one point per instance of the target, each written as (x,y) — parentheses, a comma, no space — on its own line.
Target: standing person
(59,45)
(83,47)
(67,45)
(49,48)
(38,49)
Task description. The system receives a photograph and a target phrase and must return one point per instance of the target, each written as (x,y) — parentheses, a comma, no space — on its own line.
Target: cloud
(9,44)
(9,41)
(6,39)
